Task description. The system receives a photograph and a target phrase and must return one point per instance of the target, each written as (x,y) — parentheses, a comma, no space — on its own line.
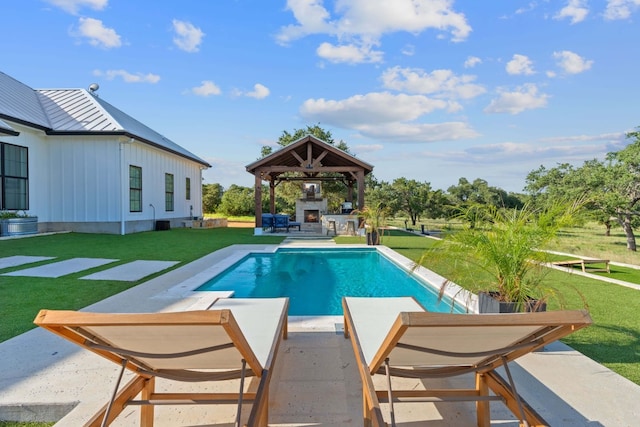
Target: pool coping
(186,288)
(574,389)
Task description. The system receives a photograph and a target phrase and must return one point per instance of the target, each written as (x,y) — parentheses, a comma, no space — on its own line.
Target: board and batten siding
(81,182)
(155,164)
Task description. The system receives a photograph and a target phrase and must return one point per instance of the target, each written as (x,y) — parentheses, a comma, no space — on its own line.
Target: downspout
(123,183)
(122,192)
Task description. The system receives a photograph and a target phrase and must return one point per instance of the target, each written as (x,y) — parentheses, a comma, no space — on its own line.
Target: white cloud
(206,88)
(441,83)
(608,137)
(128,77)
(419,132)
(97,33)
(73,6)
(520,64)
(409,50)
(386,116)
(349,53)
(472,61)
(369,148)
(375,107)
(362,23)
(259,92)
(188,37)
(575,10)
(572,63)
(524,98)
(312,18)
(620,9)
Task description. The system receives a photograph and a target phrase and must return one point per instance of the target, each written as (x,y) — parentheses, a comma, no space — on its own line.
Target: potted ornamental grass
(497,255)
(374,218)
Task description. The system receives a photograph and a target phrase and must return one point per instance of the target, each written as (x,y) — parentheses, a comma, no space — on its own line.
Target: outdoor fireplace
(311,216)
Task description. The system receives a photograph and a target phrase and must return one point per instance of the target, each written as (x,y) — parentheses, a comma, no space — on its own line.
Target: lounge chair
(396,337)
(234,339)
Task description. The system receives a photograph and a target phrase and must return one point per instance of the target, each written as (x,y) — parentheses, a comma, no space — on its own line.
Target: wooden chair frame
(544,328)
(91,331)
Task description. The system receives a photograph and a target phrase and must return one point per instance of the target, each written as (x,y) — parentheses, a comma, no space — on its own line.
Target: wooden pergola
(309,158)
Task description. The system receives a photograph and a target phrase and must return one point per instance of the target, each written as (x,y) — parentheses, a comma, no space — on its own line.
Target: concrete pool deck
(316,382)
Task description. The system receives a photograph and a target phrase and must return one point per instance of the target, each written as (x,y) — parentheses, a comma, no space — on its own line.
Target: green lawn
(22,297)
(613,340)
(614,337)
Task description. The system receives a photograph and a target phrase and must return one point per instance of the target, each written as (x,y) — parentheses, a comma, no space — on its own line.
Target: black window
(188,188)
(135,189)
(14,175)
(168,192)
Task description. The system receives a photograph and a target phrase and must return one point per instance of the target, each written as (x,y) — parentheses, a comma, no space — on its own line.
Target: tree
(237,201)
(612,186)
(466,194)
(211,197)
(287,138)
(411,197)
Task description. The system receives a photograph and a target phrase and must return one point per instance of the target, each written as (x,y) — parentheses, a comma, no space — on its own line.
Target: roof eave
(130,135)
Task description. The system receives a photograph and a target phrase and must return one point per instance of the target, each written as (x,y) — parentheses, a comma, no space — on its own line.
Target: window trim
(24,206)
(169,192)
(133,189)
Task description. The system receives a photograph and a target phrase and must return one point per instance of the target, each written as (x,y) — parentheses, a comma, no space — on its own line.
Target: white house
(80,164)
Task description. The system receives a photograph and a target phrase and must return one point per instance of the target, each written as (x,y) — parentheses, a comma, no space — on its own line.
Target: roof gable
(75,111)
(309,155)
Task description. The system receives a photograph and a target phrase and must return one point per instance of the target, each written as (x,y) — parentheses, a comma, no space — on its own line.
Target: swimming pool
(315,280)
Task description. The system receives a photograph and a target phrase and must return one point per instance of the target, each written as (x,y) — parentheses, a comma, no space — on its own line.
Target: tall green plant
(505,249)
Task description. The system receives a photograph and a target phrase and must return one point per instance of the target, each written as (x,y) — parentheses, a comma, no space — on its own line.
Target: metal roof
(7,130)
(21,103)
(76,111)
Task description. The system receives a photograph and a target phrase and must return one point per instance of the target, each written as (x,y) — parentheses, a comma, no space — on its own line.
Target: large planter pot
(488,302)
(18,226)
(373,238)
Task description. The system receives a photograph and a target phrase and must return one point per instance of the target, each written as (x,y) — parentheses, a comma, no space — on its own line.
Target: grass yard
(613,340)
(22,297)
(614,337)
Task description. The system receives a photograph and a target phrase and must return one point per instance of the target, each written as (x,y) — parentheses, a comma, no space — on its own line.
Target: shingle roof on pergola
(309,157)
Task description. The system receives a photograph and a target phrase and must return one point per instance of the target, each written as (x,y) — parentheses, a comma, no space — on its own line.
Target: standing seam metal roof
(76,111)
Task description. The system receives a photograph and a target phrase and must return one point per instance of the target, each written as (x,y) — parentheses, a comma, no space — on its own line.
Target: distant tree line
(611,189)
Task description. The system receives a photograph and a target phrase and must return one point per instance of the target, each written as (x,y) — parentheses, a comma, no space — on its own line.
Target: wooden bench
(583,263)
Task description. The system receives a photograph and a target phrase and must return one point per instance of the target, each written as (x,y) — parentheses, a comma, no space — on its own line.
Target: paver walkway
(62,268)
(14,261)
(131,271)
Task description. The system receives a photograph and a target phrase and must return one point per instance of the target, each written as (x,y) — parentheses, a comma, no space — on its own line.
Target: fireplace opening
(311,215)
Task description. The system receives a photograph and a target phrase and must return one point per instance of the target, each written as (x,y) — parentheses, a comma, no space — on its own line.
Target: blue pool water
(315,280)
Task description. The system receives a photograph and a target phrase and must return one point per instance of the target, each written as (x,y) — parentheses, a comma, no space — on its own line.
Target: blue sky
(431,90)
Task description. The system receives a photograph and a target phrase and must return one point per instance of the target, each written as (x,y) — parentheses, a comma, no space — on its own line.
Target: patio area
(316,382)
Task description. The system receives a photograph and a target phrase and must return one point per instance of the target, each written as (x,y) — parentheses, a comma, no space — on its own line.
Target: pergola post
(272,197)
(360,189)
(258,201)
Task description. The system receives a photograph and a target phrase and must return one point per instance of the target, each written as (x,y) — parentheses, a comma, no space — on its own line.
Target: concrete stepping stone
(61,268)
(131,271)
(16,260)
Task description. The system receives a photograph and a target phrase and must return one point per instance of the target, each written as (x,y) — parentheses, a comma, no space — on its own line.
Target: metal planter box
(19,226)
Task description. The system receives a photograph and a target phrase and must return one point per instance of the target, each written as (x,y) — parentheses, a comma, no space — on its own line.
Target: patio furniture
(395,337)
(331,227)
(584,262)
(236,339)
(268,222)
(293,224)
(281,222)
